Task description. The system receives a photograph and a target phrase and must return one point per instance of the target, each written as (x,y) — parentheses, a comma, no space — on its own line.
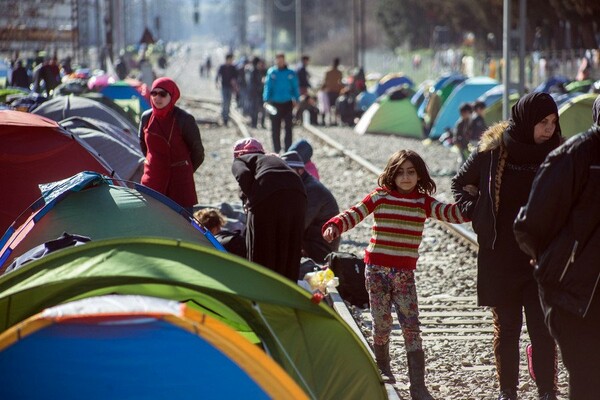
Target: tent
(129,114)
(365,99)
(7,92)
(438,94)
(36,150)
(466,92)
(494,94)
(62,107)
(91,205)
(493,112)
(309,341)
(579,86)
(392,80)
(552,84)
(135,347)
(392,113)
(575,114)
(121,150)
(421,92)
(126,96)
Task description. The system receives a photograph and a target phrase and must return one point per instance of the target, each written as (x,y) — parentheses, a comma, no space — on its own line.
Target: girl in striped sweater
(400,206)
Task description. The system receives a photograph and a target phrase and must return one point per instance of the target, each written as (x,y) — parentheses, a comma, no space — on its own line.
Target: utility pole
(506,50)
(355,33)
(522,34)
(363,34)
(242,19)
(298,30)
(268,10)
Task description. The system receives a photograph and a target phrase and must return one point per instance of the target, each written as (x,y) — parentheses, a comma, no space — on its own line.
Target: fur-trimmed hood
(492,137)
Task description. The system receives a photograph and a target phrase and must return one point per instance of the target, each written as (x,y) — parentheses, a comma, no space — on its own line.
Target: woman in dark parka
(502,169)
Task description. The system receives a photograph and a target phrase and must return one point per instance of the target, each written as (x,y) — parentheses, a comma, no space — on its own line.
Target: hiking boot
(416,375)
(508,394)
(382,357)
(548,396)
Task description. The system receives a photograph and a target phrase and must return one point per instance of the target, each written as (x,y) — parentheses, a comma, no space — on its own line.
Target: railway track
(457,333)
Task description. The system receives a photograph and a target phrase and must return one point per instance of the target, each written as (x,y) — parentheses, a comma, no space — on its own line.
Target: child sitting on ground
(213,220)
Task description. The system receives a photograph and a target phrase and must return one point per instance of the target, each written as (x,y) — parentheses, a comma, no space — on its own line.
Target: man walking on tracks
(281,92)
(228,76)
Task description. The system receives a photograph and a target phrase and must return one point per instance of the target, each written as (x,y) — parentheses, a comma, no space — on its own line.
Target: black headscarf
(518,137)
(596,111)
(527,112)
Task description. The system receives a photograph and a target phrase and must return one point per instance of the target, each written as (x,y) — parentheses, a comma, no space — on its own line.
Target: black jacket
(321,206)
(480,170)
(560,225)
(189,131)
(261,175)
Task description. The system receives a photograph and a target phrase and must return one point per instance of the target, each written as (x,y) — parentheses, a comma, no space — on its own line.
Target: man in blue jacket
(281,92)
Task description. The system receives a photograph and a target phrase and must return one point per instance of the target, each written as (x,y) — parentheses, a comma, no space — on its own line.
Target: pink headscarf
(168,85)
(247,146)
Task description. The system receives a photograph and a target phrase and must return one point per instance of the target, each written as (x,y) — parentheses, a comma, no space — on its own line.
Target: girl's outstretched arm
(348,219)
(446,212)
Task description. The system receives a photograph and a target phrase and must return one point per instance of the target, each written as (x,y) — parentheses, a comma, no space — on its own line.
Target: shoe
(508,394)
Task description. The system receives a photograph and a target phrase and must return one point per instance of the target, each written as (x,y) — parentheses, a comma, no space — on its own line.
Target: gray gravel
(456,369)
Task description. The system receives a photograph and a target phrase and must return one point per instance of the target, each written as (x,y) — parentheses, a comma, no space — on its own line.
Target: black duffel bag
(350,271)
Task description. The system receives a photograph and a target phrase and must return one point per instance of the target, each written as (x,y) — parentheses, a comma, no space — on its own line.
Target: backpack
(350,271)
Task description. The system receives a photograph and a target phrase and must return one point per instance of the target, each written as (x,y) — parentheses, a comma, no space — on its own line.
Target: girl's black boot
(416,375)
(382,357)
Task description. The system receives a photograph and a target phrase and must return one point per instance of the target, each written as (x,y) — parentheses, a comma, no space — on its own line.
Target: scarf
(596,111)
(159,131)
(527,112)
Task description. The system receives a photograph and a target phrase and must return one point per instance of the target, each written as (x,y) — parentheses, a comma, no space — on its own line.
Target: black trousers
(508,320)
(579,342)
(284,113)
(274,231)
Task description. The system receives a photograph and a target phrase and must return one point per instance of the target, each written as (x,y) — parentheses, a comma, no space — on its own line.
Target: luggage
(307,265)
(350,271)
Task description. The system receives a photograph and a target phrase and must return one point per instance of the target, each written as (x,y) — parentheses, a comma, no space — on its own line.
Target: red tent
(37,150)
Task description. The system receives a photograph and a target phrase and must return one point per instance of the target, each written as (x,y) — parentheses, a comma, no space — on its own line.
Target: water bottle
(270,108)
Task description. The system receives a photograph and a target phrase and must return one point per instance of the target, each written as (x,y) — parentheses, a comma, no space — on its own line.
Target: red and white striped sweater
(398,227)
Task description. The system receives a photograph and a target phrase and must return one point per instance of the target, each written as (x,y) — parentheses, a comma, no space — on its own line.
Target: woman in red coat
(171,142)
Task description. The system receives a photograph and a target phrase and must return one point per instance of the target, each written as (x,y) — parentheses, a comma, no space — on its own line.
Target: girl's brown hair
(425,184)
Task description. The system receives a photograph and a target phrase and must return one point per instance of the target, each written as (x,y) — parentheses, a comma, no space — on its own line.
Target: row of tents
(433,108)
(149,305)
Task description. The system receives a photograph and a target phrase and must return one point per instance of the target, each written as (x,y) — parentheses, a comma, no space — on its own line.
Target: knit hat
(303,148)
(247,146)
(293,159)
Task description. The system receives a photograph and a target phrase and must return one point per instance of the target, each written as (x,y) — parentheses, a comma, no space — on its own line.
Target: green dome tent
(92,205)
(575,115)
(310,342)
(391,113)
